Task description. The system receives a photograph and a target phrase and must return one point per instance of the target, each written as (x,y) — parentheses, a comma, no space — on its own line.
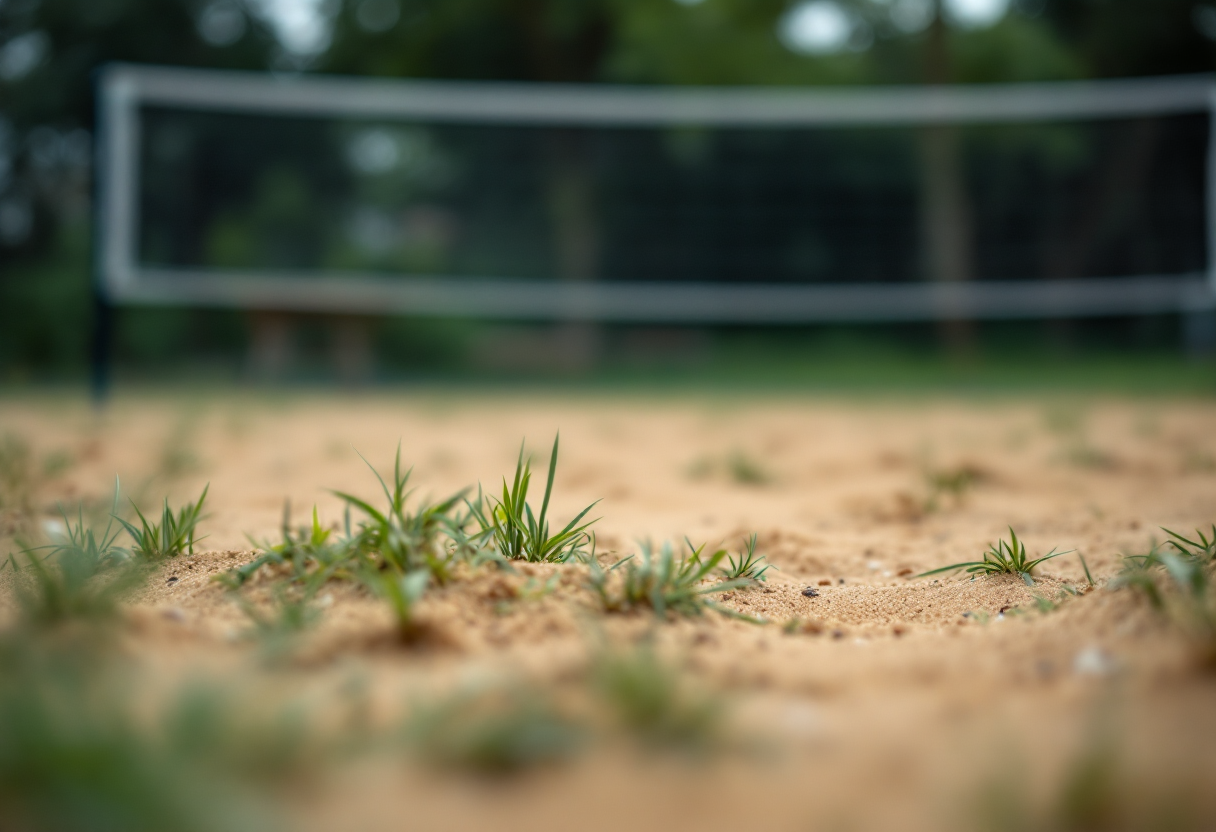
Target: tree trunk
(945,207)
(569,54)
(571,198)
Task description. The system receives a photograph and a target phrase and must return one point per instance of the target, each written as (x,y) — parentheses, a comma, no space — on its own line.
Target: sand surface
(884,701)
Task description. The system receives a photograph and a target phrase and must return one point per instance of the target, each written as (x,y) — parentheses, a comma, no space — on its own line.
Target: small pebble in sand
(172,580)
(842,580)
(810,592)
(827,581)
(1093,661)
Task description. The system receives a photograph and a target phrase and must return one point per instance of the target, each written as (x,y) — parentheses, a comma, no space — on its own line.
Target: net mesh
(805,205)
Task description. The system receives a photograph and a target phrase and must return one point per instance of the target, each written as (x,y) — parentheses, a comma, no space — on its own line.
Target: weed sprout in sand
(395,553)
(172,536)
(81,576)
(663,581)
(1188,594)
(654,703)
(399,538)
(495,730)
(517,533)
(747,566)
(82,748)
(1002,558)
(398,550)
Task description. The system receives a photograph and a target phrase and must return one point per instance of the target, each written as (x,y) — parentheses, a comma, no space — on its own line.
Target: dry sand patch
(894,698)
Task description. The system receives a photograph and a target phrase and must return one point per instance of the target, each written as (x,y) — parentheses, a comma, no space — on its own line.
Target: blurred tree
(876,41)
(48,52)
(563,41)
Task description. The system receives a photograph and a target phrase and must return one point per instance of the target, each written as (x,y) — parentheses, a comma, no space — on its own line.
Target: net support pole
(115,186)
(102,333)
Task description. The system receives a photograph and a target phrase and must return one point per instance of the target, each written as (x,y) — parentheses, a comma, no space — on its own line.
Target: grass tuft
(1180,585)
(745,470)
(654,704)
(80,752)
(291,613)
(1199,551)
(1002,558)
(299,550)
(403,538)
(401,591)
(174,535)
(952,483)
(748,566)
(520,534)
(497,731)
(663,582)
(82,576)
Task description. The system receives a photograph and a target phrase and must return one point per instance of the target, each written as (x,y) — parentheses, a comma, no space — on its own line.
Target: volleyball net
(683,205)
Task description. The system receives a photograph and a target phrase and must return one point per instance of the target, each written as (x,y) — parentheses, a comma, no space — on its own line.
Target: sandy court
(884,701)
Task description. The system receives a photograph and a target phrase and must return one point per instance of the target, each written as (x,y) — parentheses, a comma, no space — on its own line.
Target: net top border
(132,85)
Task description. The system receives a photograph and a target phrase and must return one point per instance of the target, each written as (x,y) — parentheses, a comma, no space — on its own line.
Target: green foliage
(79,752)
(738,466)
(532,590)
(292,611)
(748,566)
(402,538)
(82,576)
(1093,792)
(395,552)
(1200,551)
(1085,566)
(1180,585)
(1002,558)
(401,592)
(949,482)
(654,704)
(496,731)
(519,534)
(172,536)
(308,552)
(662,581)
(747,471)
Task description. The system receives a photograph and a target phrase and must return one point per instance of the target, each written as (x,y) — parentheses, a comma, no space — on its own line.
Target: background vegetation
(49,49)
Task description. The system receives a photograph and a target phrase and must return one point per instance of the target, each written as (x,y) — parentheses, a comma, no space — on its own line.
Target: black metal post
(100,348)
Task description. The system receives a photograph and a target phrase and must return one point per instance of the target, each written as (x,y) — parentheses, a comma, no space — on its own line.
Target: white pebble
(1092,661)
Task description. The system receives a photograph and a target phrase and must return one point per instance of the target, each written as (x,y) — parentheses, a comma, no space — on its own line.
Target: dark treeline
(49,49)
